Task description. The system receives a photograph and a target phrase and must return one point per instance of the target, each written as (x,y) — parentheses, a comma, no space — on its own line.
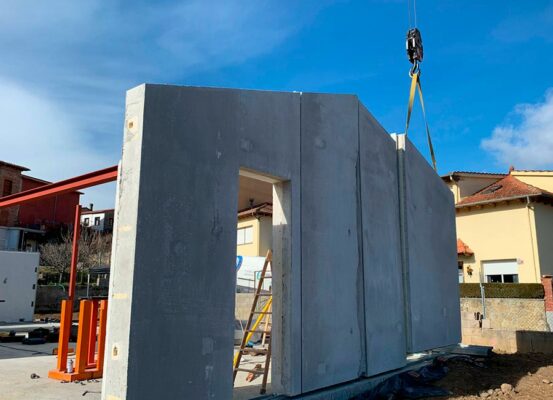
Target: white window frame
(500,268)
(244,235)
(461,271)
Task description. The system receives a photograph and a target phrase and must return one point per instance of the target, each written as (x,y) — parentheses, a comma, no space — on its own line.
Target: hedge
(503,290)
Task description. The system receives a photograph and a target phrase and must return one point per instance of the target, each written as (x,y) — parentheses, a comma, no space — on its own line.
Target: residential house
(254,230)
(10,183)
(504,225)
(98,220)
(37,215)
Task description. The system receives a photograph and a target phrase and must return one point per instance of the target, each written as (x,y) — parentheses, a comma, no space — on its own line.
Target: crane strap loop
(416,84)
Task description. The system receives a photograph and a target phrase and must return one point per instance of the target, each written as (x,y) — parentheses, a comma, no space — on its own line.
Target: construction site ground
(530,376)
(18,362)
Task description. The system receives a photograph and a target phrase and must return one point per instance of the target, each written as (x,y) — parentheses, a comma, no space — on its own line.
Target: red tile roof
(504,189)
(463,249)
(264,209)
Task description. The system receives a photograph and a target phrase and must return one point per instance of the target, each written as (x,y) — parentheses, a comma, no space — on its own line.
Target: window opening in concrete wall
(254,239)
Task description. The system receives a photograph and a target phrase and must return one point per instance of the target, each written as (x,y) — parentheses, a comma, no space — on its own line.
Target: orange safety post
(101,338)
(64,333)
(88,364)
(91,362)
(66,319)
(83,337)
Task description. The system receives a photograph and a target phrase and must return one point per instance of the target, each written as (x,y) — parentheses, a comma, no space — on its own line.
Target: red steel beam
(61,187)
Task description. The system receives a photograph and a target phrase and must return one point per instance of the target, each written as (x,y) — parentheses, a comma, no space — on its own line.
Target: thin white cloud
(527,142)
(66,66)
(39,135)
(526,26)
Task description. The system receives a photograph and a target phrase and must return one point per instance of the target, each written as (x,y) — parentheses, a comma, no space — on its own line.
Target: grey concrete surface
(331,341)
(433,300)
(187,150)
(16,382)
(18,362)
(19,350)
(337,284)
(384,314)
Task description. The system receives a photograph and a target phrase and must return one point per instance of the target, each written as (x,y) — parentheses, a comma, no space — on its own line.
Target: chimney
(91,206)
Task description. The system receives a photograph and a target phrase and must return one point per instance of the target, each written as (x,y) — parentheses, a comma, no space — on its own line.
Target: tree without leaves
(94,250)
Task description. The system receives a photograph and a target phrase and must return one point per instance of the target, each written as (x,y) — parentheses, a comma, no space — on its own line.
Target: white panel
(18,278)
(248,235)
(504,267)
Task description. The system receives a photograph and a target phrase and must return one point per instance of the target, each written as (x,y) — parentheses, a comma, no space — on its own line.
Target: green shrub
(503,290)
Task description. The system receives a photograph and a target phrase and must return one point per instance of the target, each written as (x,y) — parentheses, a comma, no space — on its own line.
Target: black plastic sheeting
(415,384)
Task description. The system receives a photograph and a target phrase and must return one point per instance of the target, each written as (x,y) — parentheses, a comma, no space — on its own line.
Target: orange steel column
(101,338)
(81,359)
(64,333)
(91,362)
(75,253)
(66,319)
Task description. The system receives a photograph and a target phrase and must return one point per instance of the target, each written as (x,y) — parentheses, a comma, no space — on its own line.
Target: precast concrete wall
(339,279)
(383,283)
(332,347)
(428,223)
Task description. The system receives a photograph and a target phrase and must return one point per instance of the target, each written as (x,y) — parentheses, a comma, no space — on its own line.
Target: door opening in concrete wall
(254,240)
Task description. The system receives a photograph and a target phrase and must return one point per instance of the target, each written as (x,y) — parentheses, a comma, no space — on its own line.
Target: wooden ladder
(252,327)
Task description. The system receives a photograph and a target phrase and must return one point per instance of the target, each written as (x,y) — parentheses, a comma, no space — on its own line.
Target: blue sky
(486,75)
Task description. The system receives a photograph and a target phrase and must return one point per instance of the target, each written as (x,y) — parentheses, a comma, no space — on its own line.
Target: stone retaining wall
(510,326)
(506,314)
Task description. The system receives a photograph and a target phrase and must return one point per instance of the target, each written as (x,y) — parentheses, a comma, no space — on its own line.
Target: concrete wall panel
(332,348)
(337,291)
(433,285)
(384,312)
(179,185)
(268,138)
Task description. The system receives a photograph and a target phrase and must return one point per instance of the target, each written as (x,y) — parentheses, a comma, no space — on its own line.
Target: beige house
(504,225)
(254,230)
